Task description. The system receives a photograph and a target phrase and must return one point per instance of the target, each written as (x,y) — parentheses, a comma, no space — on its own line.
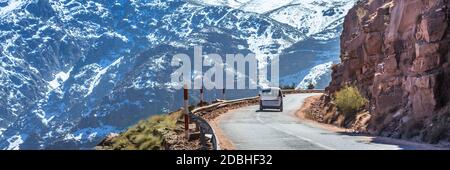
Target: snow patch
(117,35)
(15,142)
(89,134)
(12,5)
(314,75)
(98,76)
(1,131)
(60,78)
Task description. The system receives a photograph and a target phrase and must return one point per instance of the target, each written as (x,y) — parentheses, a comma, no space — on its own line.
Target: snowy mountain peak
(309,16)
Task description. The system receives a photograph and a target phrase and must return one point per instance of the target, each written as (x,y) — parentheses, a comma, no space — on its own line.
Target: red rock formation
(397,53)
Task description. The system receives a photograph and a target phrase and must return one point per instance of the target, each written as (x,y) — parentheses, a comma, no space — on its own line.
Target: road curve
(250,129)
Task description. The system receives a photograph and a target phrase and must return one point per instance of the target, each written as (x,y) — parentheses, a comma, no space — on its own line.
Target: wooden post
(186,111)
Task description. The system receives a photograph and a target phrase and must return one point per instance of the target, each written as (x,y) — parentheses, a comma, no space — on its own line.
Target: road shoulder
(224,142)
(300,114)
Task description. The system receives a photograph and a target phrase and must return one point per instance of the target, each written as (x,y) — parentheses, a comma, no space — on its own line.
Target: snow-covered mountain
(308,16)
(72,71)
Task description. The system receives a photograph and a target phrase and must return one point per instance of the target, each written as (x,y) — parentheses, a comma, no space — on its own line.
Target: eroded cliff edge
(397,53)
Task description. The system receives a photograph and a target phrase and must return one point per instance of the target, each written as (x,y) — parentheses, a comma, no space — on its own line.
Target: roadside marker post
(201,97)
(223,94)
(186,111)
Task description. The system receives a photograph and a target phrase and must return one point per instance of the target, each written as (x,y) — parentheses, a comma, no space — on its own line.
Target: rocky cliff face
(397,53)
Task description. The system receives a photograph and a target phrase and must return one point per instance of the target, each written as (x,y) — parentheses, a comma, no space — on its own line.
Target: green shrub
(349,101)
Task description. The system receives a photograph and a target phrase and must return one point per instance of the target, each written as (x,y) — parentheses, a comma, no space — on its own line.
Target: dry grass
(147,134)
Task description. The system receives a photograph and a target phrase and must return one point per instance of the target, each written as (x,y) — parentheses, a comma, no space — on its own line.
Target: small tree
(311,86)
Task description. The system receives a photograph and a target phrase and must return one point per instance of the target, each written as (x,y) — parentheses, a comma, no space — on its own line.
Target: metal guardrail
(206,131)
(304,91)
(239,100)
(206,107)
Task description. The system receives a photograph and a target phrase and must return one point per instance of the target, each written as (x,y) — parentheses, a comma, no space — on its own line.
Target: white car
(271,98)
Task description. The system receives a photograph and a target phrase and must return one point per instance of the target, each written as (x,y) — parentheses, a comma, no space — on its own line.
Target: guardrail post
(186,111)
(201,97)
(223,94)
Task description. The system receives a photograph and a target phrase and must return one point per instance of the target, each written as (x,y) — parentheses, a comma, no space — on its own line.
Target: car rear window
(269,92)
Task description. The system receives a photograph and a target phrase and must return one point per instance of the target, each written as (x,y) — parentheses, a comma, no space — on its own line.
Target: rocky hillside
(397,53)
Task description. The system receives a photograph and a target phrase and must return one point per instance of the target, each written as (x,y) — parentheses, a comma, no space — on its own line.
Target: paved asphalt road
(250,129)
